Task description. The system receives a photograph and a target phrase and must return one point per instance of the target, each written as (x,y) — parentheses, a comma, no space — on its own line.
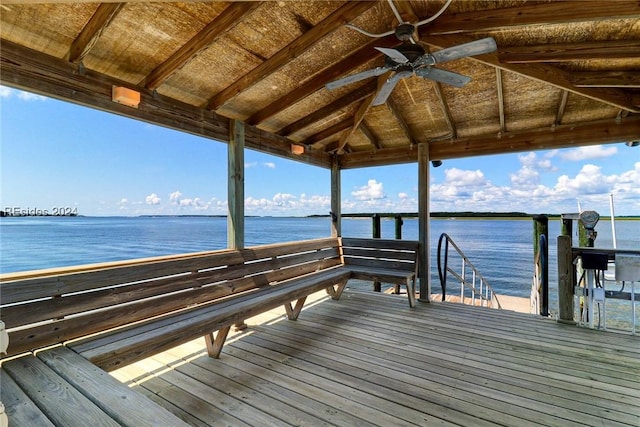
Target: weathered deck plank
(370,360)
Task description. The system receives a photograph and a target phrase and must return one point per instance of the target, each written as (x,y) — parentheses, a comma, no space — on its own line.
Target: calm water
(502,250)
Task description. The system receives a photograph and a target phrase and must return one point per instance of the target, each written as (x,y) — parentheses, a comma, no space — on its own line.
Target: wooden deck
(368,359)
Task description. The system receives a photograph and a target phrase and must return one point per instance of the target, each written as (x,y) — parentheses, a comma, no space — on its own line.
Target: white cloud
(27,96)
(7,92)
(372,191)
(152,199)
(589,152)
(196,203)
(174,197)
(269,165)
(402,196)
(528,176)
(589,180)
(459,177)
(287,204)
(250,165)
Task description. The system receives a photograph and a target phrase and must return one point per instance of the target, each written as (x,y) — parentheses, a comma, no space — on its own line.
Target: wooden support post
(565,280)
(567,227)
(398,222)
(583,237)
(336,191)
(235,191)
(375,226)
(424,222)
(235,187)
(376,233)
(541,234)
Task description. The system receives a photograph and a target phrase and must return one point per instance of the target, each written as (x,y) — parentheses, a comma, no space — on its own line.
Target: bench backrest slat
(15,289)
(108,299)
(381,253)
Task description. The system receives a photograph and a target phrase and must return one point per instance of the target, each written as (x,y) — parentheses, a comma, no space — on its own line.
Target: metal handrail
(484,292)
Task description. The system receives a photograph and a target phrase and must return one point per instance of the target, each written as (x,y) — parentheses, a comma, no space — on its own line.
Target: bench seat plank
(121,403)
(19,408)
(61,403)
(385,275)
(122,347)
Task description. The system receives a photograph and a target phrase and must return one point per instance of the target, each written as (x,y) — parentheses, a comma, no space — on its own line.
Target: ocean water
(502,250)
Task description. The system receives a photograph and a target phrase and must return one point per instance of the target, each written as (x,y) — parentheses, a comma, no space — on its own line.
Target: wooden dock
(369,359)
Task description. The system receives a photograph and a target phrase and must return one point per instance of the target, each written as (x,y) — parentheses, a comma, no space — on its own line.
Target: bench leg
(336,291)
(240,326)
(411,292)
(294,312)
(214,344)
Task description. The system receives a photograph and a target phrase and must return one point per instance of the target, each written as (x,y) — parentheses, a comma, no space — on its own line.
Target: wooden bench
(140,308)
(106,316)
(381,260)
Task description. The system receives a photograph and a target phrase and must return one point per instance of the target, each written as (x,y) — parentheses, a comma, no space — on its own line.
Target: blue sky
(56,154)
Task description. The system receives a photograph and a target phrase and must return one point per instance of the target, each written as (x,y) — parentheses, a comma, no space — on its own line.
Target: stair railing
(475,289)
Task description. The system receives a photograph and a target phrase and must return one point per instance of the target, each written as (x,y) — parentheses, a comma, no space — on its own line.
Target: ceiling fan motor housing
(404,31)
(410,51)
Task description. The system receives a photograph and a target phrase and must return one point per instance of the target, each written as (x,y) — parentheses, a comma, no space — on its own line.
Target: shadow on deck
(370,360)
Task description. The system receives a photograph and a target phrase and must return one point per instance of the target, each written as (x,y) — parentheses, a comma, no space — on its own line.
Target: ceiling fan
(411,58)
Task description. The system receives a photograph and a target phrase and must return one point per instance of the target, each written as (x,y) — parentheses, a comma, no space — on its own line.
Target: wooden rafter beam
(101,18)
(565,136)
(402,123)
(362,111)
(298,46)
(359,57)
(358,117)
(500,89)
(357,95)
(562,52)
(445,109)
(328,132)
(555,12)
(370,136)
(541,72)
(34,71)
(222,23)
(620,79)
(561,107)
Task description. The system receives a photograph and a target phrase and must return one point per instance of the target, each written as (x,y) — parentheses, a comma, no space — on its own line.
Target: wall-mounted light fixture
(436,163)
(632,143)
(125,96)
(297,149)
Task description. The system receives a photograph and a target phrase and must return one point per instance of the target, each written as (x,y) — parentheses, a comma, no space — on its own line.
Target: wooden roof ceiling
(565,73)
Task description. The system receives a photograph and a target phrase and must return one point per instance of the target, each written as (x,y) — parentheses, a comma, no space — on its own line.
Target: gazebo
(254,75)
(337,85)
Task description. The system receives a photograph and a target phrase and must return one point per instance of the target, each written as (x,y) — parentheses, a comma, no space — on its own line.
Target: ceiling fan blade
(443,76)
(477,47)
(396,55)
(388,87)
(378,71)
